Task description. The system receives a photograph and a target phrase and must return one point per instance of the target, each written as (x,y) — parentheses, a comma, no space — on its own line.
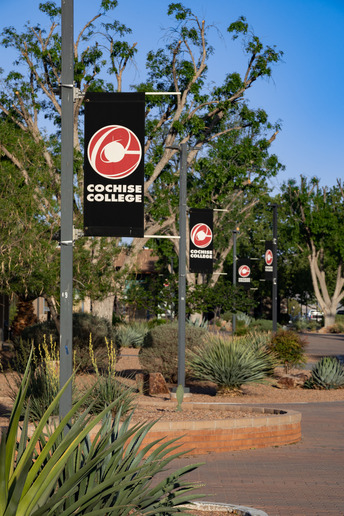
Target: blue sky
(305,92)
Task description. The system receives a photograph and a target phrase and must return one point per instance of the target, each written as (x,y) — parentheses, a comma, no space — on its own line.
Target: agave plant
(59,472)
(328,373)
(230,363)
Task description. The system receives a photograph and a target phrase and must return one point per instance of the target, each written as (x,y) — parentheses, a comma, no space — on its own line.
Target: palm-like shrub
(58,472)
(230,363)
(328,373)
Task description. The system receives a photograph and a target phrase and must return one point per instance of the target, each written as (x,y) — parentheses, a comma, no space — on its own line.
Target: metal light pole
(66,270)
(182,266)
(234,277)
(274,268)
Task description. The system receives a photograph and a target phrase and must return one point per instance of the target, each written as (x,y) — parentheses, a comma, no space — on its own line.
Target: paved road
(304,479)
(325,345)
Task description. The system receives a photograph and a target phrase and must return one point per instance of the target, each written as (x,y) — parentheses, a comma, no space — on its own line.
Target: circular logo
(269,257)
(201,235)
(244,271)
(114,152)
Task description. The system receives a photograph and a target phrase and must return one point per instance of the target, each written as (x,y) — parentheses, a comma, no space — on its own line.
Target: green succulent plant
(132,335)
(328,373)
(230,363)
(59,472)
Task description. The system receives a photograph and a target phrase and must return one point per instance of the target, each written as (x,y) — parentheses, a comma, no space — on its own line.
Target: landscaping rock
(151,384)
(157,384)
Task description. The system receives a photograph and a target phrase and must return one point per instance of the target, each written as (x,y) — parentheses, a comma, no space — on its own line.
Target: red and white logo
(244,271)
(269,257)
(201,235)
(114,152)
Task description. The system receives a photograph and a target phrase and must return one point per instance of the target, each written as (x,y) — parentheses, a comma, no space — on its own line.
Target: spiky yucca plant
(328,373)
(230,363)
(131,335)
(64,473)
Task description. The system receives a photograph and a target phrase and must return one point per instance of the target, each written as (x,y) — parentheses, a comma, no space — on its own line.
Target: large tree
(314,218)
(228,141)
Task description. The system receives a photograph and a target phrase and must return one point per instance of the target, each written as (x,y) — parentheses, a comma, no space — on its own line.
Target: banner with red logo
(201,241)
(244,272)
(114,164)
(268,260)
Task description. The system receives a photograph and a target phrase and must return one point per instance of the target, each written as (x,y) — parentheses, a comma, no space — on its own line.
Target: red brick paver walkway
(305,479)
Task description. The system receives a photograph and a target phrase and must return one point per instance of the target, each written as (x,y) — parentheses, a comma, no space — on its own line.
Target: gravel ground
(162,407)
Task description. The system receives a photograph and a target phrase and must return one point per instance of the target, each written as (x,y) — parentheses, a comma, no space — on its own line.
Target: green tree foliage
(30,158)
(221,297)
(229,143)
(313,220)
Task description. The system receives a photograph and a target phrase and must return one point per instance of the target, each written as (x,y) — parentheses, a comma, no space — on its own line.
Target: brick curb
(275,427)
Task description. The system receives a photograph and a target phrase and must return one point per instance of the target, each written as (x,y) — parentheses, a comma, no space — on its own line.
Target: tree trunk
(51,302)
(104,308)
(329,319)
(327,303)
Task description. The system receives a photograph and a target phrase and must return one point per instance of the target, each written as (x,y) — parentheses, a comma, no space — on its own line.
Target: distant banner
(244,272)
(201,241)
(114,164)
(268,260)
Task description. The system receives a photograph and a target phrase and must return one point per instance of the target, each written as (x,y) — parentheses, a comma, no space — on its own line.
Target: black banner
(244,272)
(201,241)
(114,164)
(268,260)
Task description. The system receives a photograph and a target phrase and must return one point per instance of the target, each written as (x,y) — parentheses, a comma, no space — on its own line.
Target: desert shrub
(304,324)
(131,335)
(199,322)
(289,348)
(336,328)
(108,389)
(241,328)
(339,319)
(301,324)
(244,319)
(261,325)
(327,373)
(152,323)
(227,316)
(44,380)
(256,339)
(230,363)
(313,325)
(37,332)
(84,325)
(57,472)
(160,351)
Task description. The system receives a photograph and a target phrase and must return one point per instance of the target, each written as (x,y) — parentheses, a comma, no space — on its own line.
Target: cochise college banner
(201,241)
(114,164)
(269,260)
(244,272)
